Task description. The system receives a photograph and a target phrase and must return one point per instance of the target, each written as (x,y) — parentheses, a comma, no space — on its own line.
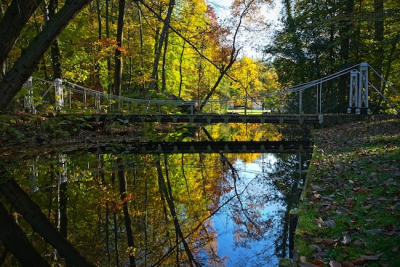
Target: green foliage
(8,125)
(321,37)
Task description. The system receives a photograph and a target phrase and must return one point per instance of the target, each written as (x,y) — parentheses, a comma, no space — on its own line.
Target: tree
(323,37)
(23,68)
(32,213)
(163,38)
(118,50)
(11,25)
(17,242)
(55,47)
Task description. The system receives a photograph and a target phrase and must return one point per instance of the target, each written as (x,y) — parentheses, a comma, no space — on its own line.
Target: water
(213,209)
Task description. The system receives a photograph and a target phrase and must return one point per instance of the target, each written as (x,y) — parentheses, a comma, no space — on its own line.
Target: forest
(183,50)
(168,49)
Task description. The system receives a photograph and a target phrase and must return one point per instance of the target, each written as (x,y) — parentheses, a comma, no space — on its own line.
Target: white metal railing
(70,96)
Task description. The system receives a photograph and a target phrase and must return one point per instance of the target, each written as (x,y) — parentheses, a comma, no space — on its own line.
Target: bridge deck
(214,118)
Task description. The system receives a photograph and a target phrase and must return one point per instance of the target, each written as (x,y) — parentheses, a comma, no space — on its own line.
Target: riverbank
(23,132)
(349,214)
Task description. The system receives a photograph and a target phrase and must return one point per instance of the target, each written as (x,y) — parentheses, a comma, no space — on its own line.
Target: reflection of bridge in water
(206,147)
(71,98)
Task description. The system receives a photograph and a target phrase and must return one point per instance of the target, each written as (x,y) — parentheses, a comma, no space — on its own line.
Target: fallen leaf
(318,262)
(316,248)
(316,188)
(329,223)
(303,259)
(329,242)
(358,261)
(337,166)
(369,252)
(307,264)
(359,242)
(371,258)
(347,264)
(384,264)
(334,264)
(390,233)
(346,240)
(318,240)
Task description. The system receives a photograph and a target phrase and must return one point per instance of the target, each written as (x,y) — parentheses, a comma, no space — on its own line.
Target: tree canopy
(318,38)
(141,49)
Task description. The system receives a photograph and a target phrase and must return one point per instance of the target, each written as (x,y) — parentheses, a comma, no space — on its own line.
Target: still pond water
(214,209)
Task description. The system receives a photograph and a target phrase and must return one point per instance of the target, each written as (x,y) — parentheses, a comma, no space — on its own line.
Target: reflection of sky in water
(252,185)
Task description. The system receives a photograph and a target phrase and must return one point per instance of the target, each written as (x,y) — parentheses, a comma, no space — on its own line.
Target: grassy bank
(350,211)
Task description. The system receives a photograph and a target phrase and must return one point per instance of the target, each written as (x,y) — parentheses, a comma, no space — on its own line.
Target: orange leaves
(106,42)
(113,203)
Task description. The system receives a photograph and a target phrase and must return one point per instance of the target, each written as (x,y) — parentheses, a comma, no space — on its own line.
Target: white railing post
(363,88)
(84,98)
(97,101)
(70,99)
(59,94)
(320,98)
(358,95)
(353,94)
(316,107)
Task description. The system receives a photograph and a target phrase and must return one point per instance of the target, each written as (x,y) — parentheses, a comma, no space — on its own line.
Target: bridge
(99,106)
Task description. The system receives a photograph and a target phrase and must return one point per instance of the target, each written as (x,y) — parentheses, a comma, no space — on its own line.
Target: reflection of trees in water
(154,211)
(281,180)
(288,180)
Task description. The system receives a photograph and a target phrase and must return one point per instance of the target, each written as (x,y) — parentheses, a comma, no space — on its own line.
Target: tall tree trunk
(164,65)
(160,44)
(128,224)
(118,51)
(142,86)
(115,228)
(12,23)
(168,196)
(109,88)
(4,254)
(215,86)
(181,70)
(107,215)
(40,224)
(63,209)
(379,54)
(14,239)
(26,64)
(97,82)
(55,47)
(345,26)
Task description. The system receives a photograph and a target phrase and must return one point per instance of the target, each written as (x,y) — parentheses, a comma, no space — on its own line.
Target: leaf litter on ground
(350,210)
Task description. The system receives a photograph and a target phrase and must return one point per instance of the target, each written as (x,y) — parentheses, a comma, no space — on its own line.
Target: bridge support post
(59,94)
(358,95)
(363,91)
(29,104)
